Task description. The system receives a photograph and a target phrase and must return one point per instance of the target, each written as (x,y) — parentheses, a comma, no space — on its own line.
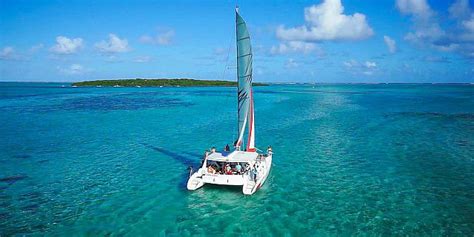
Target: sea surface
(349,159)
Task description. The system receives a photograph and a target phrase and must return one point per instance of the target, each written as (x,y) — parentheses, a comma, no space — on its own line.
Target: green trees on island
(159,82)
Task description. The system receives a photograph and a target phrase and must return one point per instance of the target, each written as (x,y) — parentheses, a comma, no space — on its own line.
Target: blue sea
(349,159)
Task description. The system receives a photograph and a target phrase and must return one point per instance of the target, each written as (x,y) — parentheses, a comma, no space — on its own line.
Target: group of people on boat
(229,168)
(232,168)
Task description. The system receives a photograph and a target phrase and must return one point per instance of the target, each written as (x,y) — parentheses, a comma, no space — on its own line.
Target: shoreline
(178,82)
(266,83)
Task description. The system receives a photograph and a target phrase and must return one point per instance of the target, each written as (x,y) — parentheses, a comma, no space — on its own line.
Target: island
(138,82)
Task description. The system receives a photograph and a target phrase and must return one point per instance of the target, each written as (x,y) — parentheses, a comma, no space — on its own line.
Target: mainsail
(244,81)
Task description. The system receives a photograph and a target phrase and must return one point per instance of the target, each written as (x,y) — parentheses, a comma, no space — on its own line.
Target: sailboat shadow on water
(187,159)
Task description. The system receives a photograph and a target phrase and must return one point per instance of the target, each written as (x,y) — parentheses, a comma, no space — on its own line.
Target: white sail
(244,81)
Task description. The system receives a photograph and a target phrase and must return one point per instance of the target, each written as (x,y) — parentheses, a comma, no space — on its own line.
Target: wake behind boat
(243,166)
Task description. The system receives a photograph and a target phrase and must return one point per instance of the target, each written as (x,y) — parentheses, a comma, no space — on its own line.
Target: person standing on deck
(254,173)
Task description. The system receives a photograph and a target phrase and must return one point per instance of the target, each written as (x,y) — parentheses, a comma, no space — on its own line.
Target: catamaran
(243,166)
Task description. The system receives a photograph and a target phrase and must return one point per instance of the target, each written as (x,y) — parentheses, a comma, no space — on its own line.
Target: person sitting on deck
(213,149)
(211,170)
(238,167)
(228,169)
(227,148)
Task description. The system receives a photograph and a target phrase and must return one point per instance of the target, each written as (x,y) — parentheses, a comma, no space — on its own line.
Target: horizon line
(274,83)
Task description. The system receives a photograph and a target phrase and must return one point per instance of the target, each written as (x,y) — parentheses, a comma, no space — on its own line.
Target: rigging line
(227,59)
(227,66)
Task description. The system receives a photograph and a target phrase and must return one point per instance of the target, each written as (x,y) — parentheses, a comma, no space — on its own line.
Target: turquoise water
(349,159)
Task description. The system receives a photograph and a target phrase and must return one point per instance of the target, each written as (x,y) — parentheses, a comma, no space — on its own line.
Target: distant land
(185,82)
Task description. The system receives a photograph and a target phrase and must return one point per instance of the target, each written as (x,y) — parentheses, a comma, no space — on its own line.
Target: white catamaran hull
(195,181)
(250,186)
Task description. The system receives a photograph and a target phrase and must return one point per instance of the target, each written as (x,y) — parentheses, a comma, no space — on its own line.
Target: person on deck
(227,148)
(254,173)
(228,169)
(238,167)
(211,170)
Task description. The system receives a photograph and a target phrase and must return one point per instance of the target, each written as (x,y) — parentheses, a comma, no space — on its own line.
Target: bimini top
(234,156)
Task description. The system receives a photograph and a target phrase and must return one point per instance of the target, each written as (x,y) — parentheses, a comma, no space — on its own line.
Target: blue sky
(293,41)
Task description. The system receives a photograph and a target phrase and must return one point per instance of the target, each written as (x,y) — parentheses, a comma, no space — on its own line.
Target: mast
(244,84)
(238,142)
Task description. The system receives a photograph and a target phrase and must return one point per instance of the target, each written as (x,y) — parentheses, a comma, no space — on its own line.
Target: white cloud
(291,63)
(419,8)
(365,68)
(326,21)
(462,12)
(220,51)
(113,58)
(468,30)
(146,39)
(36,48)
(142,59)
(73,69)
(294,47)
(355,64)
(351,63)
(370,64)
(7,53)
(219,54)
(163,38)
(469,24)
(391,44)
(113,45)
(427,31)
(459,9)
(66,45)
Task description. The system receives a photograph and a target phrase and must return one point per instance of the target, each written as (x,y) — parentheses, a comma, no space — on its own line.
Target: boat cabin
(231,163)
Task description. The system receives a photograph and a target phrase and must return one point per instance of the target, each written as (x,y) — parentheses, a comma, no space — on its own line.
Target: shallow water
(349,159)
